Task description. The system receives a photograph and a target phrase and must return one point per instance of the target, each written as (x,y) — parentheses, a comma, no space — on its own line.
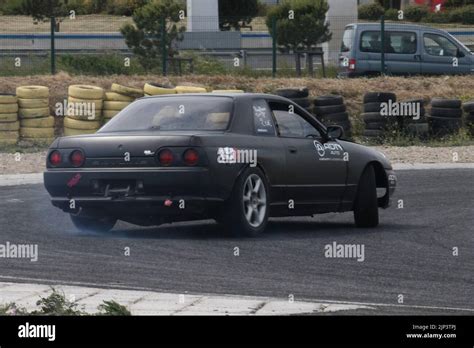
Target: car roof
(393,25)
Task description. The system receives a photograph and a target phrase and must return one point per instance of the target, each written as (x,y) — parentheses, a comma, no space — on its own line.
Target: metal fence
(94,45)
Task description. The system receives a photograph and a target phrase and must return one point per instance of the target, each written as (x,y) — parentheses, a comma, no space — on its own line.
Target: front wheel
(366,210)
(92,223)
(246,213)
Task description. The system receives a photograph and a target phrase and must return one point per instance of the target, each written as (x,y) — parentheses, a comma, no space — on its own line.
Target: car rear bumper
(170,191)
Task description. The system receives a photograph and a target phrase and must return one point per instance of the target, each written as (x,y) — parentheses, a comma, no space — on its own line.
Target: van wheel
(366,210)
(247,210)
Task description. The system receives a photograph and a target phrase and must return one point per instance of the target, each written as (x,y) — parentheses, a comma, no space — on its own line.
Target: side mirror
(335,132)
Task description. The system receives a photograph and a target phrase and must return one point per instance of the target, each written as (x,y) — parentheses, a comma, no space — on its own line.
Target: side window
(395,42)
(262,117)
(437,45)
(290,124)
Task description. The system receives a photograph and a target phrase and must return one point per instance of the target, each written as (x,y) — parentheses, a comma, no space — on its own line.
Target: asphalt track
(409,254)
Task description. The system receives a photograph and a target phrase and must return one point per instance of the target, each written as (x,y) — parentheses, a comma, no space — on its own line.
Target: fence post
(53,48)
(163,46)
(382,44)
(274,47)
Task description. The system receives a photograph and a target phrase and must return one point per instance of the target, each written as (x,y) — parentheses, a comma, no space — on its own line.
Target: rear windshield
(347,39)
(171,114)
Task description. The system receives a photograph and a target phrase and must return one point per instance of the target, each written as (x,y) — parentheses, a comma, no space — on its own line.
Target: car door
(315,169)
(440,55)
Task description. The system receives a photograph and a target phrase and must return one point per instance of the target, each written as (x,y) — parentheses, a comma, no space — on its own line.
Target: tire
(6,142)
(8,108)
(290,93)
(340,117)
(9,135)
(225,91)
(93,224)
(6,98)
(10,126)
(39,141)
(330,109)
(418,129)
(72,132)
(303,102)
(468,107)
(372,107)
(85,92)
(446,103)
(128,91)
(234,215)
(33,113)
(189,89)
(44,122)
(84,125)
(379,97)
(374,133)
(9,117)
(32,92)
(112,96)
(346,125)
(158,89)
(366,210)
(36,132)
(110,113)
(98,103)
(33,103)
(376,125)
(445,112)
(115,105)
(373,117)
(444,125)
(329,100)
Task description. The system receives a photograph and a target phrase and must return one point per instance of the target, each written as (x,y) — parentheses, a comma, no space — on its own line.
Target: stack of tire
(417,128)
(298,95)
(375,124)
(84,114)
(9,125)
(331,110)
(118,99)
(445,117)
(189,89)
(469,109)
(37,125)
(152,89)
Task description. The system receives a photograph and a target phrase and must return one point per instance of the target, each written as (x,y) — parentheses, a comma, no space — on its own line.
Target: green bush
(103,64)
(391,14)
(371,12)
(12,7)
(124,7)
(457,3)
(464,15)
(416,13)
(438,17)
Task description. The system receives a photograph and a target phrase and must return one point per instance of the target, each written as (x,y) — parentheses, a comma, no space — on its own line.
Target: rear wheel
(366,211)
(246,213)
(86,223)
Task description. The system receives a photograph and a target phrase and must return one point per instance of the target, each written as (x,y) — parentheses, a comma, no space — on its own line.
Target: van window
(395,42)
(347,39)
(438,45)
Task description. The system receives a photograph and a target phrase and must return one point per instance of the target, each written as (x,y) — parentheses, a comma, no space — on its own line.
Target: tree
(42,10)
(300,24)
(144,37)
(235,14)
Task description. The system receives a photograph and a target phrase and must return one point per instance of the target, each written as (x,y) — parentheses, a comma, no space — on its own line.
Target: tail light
(191,157)
(352,64)
(55,158)
(77,158)
(165,157)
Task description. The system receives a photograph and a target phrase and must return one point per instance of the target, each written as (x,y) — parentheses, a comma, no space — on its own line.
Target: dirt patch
(35,162)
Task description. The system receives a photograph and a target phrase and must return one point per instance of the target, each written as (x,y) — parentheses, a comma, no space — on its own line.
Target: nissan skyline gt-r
(235,158)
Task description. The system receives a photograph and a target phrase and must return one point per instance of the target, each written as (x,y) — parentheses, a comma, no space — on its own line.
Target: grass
(57,304)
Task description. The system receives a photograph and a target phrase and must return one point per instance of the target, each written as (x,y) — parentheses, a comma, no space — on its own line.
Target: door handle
(417,57)
(292,149)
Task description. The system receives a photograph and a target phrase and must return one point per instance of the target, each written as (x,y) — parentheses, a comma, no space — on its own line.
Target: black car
(235,158)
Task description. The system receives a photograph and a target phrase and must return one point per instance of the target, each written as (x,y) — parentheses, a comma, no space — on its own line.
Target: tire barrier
(376,124)
(128,91)
(151,89)
(9,125)
(413,126)
(225,91)
(36,122)
(189,89)
(445,117)
(298,95)
(85,104)
(118,99)
(469,109)
(331,110)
